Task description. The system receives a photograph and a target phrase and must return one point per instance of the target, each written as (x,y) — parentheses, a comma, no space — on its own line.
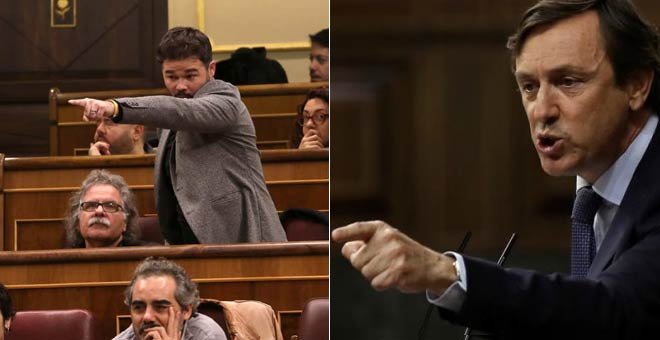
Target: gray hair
(74,238)
(186,292)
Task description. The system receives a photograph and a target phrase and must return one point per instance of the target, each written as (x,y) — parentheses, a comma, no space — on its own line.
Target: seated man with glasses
(312,130)
(102,214)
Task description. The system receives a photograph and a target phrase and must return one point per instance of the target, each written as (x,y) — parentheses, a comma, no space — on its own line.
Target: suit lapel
(638,199)
(619,231)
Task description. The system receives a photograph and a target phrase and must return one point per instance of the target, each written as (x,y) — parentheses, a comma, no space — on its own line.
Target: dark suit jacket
(218,179)
(619,300)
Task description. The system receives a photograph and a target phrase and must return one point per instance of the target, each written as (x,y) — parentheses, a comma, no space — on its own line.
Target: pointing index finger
(78,102)
(358,231)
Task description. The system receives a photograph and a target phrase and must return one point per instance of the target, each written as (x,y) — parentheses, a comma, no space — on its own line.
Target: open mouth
(547,142)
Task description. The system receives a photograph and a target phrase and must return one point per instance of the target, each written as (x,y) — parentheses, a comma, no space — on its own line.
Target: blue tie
(583,242)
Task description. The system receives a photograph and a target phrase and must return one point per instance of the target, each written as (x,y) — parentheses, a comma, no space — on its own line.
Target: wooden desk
(283,275)
(35,190)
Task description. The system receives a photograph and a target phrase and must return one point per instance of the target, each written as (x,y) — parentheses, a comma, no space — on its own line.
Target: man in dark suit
(208,182)
(586,72)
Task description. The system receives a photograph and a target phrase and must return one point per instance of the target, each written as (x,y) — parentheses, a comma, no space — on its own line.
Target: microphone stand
(460,249)
(500,262)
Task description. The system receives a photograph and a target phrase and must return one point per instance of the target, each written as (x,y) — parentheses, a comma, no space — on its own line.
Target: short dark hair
(73,236)
(297,134)
(631,43)
(186,292)
(184,42)
(321,37)
(6,306)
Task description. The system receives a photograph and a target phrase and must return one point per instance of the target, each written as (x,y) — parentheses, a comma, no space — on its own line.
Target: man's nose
(99,210)
(101,127)
(181,85)
(545,106)
(149,315)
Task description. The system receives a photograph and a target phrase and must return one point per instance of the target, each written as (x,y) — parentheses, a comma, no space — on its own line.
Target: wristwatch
(457,268)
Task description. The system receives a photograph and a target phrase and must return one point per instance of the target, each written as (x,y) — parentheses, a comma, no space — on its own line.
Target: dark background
(428,134)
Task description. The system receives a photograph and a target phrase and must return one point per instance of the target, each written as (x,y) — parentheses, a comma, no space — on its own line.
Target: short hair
(297,134)
(631,43)
(6,306)
(186,292)
(74,238)
(183,42)
(321,37)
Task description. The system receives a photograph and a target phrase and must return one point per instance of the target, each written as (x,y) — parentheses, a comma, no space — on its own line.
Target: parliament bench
(283,275)
(273,131)
(36,190)
(272,107)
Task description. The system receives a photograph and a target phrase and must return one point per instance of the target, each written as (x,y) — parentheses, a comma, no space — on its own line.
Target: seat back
(150,229)
(213,309)
(243,319)
(304,225)
(314,321)
(53,325)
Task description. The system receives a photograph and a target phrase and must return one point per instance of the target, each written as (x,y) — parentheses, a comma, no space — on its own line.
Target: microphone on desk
(500,262)
(460,249)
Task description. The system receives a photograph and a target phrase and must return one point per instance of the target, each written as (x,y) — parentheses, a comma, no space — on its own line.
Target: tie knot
(586,205)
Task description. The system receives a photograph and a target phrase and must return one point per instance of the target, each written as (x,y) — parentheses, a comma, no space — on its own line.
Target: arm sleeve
(215,110)
(452,298)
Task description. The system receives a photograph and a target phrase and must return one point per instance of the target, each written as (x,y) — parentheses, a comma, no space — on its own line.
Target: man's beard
(123,144)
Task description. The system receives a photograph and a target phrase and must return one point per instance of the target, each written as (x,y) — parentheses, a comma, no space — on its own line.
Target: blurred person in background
(319,57)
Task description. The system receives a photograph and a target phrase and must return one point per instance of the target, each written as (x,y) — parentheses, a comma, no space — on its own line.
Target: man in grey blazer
(208,183)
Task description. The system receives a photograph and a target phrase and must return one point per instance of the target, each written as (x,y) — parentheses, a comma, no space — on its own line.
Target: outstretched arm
(388,258)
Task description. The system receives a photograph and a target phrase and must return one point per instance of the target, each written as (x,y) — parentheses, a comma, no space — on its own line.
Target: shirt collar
(613,183)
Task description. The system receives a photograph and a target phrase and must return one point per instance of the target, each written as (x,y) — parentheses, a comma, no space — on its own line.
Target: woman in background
(312,128)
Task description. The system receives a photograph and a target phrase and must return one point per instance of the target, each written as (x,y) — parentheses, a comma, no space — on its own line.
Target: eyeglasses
(317,117)
(109,207)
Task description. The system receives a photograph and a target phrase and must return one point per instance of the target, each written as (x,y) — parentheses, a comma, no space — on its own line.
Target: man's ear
(138,132)
(212,68)
(7,324)
(638,87)
(186,313)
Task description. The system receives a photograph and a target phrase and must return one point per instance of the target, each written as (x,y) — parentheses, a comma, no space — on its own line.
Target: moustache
(147,325)
(99,220)
(182,95)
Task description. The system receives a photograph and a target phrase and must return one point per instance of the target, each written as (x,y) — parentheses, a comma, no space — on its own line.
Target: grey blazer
(218,179)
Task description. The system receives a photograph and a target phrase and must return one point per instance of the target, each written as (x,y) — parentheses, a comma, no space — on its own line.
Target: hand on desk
(388,258)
